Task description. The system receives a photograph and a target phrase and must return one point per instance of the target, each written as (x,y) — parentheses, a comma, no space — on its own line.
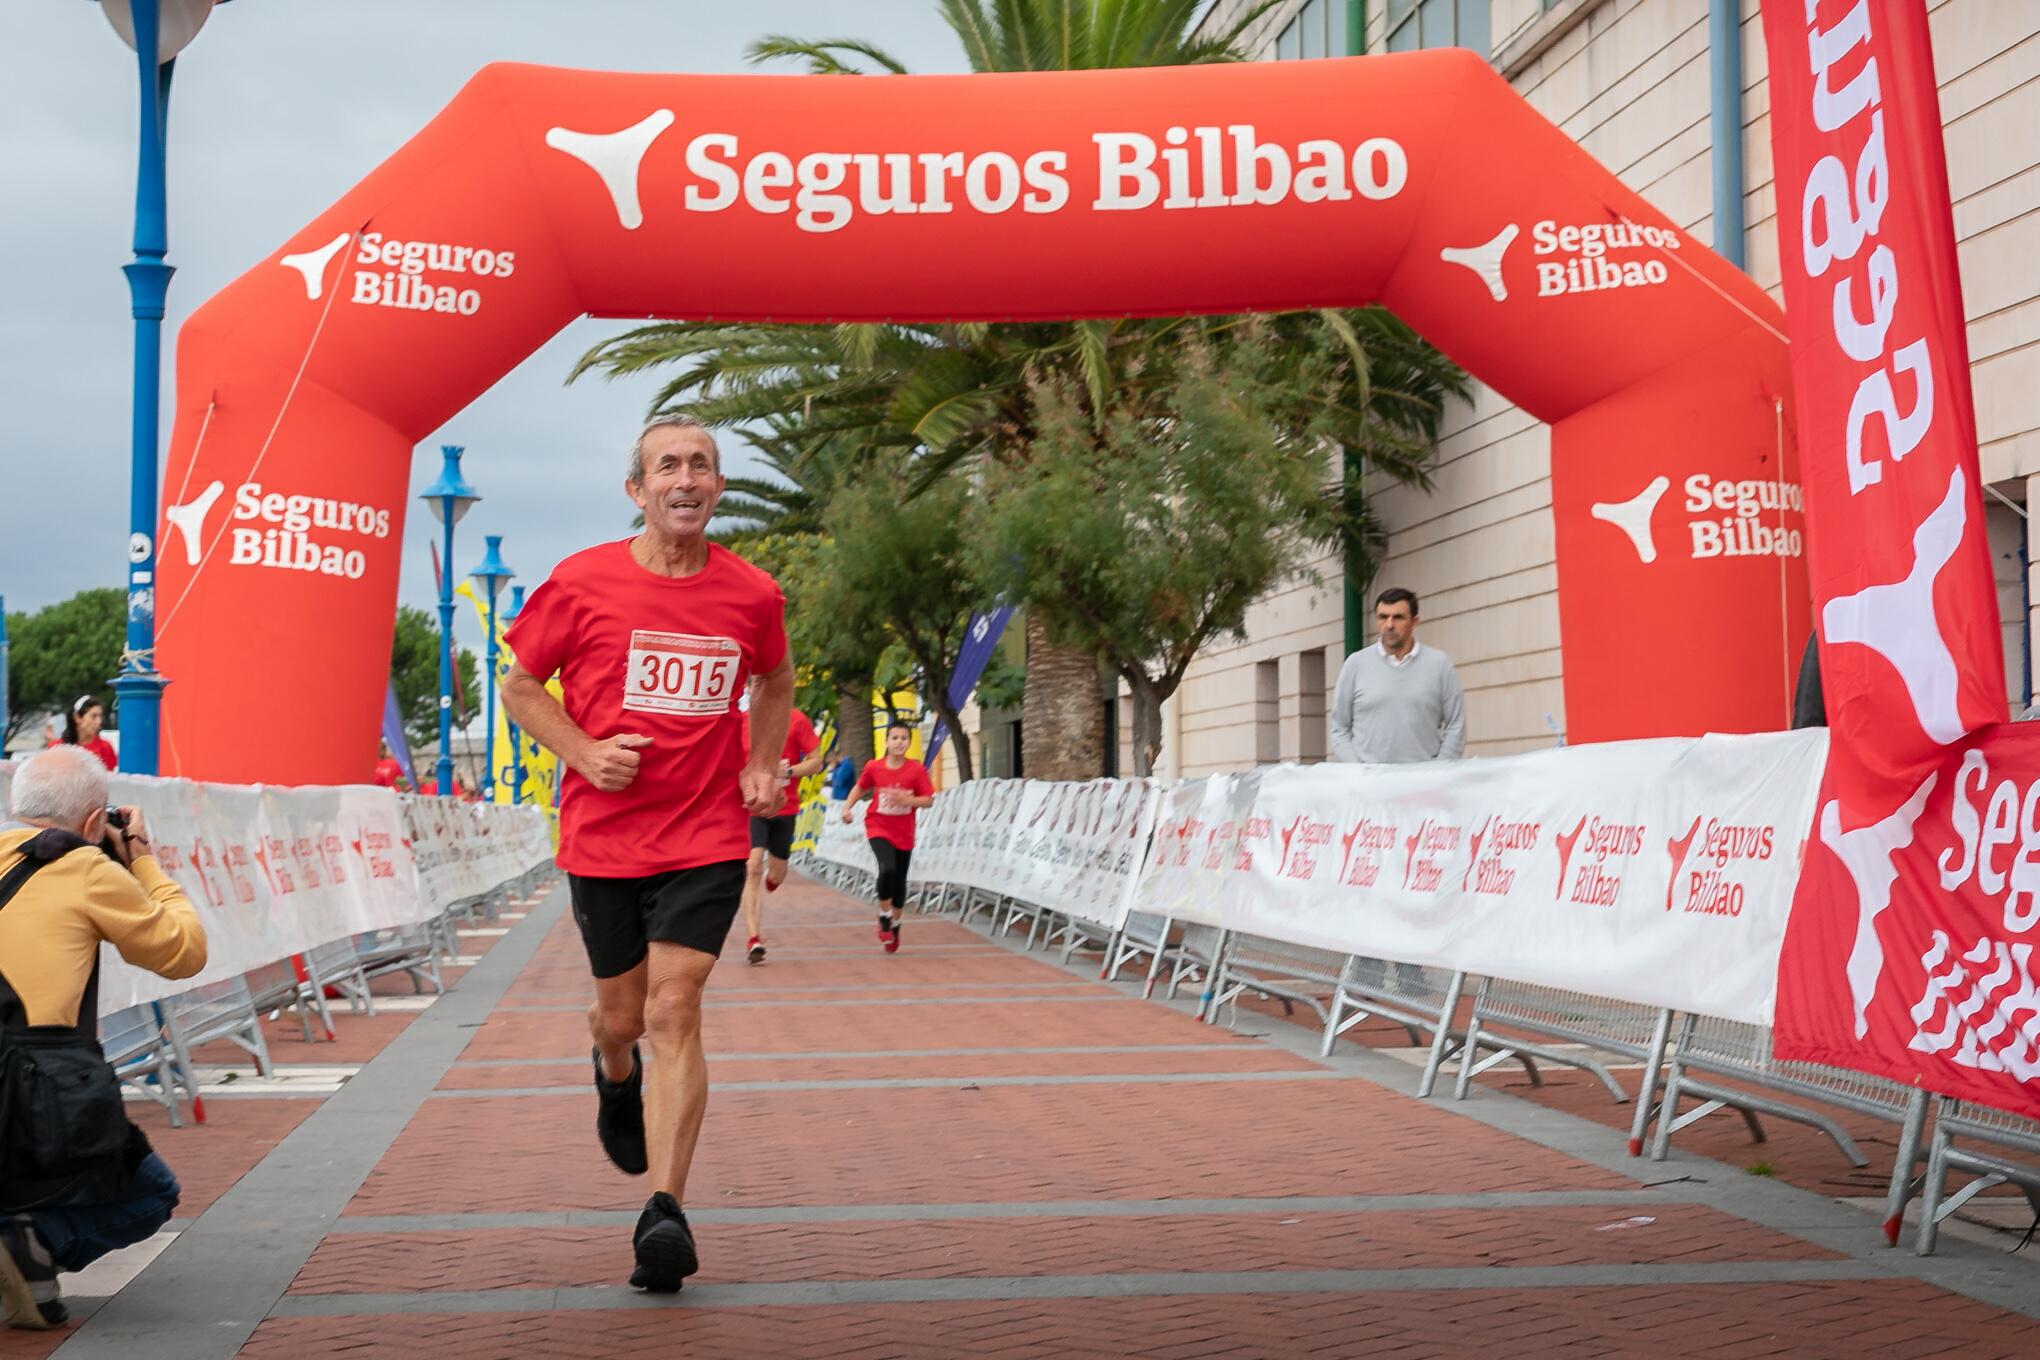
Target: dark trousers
(892,870)
(79,1234)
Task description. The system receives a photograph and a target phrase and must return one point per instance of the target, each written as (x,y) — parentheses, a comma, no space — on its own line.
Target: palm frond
(823,58)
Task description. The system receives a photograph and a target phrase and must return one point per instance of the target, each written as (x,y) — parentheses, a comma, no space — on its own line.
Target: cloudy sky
(278,108)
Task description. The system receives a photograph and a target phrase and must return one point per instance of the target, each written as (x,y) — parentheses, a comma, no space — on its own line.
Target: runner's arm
(541,717)
(610,764)
(771,711)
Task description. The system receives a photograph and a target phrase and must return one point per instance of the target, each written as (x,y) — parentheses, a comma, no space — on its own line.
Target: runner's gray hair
(672,422)
(61,786)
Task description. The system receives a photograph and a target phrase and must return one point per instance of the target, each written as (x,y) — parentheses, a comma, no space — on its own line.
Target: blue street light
(516,737)
(157,30)
(448,499)
(490,575)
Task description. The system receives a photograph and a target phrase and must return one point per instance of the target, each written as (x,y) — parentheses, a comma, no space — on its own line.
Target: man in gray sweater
(1397,702)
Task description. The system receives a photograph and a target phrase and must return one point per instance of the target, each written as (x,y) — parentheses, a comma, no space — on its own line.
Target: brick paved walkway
(966,1150)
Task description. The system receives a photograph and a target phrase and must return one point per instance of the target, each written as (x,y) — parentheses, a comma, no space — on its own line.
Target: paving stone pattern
(1072,1172)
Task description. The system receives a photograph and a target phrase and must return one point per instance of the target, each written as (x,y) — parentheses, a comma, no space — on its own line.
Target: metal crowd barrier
(1421,1000)
(1978,1123)
(1620,1029)
(218,1010)
(1742,1052)
(1143,936)
(151,1046)
(1191,957)
(1293,974)
(135,1046)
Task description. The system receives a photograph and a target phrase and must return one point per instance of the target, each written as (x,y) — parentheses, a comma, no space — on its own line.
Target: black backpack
(64,1133)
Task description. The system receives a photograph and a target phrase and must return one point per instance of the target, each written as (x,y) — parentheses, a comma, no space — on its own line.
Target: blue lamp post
(157,30)
(516,737)
(490,575)
(448,498)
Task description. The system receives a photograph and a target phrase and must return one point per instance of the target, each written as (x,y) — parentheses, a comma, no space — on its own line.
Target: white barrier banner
(844,843)
(275,872)
(1659,872)
(1074,848)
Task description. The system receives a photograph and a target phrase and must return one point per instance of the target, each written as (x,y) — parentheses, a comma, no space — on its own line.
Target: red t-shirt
(888,820)
(388,773)
(664,657)
(800,744)
(98,746)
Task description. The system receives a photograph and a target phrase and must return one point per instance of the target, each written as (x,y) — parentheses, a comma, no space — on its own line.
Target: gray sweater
(1388,714)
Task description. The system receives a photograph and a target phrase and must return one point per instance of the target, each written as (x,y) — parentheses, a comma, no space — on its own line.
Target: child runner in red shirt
(901,787)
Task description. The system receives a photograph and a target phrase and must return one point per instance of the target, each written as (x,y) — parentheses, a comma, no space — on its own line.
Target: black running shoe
(620,1115)
(28,1278)
(664,1246)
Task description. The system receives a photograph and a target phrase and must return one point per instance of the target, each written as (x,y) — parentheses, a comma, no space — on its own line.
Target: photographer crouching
(77,1180)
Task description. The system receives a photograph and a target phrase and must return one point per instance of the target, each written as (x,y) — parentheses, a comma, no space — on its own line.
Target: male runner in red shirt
(653,639)
(772,837)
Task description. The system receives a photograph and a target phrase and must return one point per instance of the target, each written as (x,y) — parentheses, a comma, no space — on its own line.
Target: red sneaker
(888,933)
(892,939)
(770,886)
(757,950)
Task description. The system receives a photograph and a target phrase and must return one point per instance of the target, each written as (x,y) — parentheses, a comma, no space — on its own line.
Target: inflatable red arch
(1421,181)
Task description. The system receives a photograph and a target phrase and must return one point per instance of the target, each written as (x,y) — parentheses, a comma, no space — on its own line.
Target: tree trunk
(853,721)
(1062,712)
(959,740)
(1147,722)
(936,678)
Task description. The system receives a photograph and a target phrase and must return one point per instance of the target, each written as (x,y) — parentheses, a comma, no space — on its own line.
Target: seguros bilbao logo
(1573,257)
(284,531)
(1728,517)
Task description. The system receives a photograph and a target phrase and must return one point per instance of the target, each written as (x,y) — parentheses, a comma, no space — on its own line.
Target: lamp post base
(139,695)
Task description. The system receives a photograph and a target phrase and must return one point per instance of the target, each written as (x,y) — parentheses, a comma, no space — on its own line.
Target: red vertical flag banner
(1909,945)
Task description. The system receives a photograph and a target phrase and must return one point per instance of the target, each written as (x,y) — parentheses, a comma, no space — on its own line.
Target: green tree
(902,564)
(414,671)
(837,655)
(1142,544)
(62,651)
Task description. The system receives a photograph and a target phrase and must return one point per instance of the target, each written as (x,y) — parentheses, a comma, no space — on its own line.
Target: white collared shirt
(1405,658)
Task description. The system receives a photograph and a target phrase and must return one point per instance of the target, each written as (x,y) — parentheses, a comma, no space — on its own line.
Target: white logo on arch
(615,157)
(1632,516)
(1485,260)
(189,519)
(312,264)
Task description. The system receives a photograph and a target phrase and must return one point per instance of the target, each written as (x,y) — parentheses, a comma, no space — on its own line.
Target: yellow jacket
(50,933)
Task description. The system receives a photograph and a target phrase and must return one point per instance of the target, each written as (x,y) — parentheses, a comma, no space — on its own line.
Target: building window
(1438,23)
(1267,712)
(1310,707)
(1318,30)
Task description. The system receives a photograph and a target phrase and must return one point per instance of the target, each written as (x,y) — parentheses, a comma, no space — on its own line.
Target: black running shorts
(773,835)
(690,907)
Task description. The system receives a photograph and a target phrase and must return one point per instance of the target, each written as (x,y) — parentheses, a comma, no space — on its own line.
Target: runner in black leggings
(901,788)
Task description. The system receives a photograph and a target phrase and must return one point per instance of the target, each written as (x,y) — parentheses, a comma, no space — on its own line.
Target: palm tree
(935,398)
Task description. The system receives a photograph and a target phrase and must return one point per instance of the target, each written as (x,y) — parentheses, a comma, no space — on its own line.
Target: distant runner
(653,639)
(902,788)
(772,837)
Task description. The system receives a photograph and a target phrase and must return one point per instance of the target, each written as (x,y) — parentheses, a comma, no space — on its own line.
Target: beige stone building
(1633,81)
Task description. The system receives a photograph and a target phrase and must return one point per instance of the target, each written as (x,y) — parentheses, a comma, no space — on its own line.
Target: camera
(116,821)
